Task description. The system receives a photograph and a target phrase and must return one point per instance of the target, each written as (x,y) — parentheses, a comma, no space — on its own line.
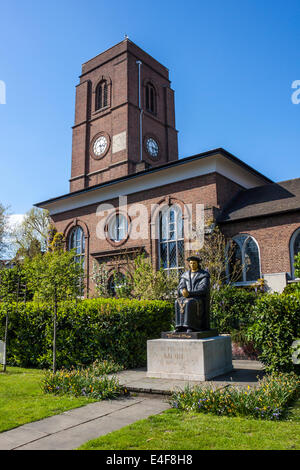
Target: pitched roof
(263,200)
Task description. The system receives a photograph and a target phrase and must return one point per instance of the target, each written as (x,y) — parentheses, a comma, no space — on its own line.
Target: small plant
(151,284)
(100,277)
(92,381)
(269,401)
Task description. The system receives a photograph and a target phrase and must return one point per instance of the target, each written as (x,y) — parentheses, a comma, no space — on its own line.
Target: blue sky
(232,64)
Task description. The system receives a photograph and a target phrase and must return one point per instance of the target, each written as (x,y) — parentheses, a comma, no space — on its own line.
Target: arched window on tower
(244,263)
(101,95)
(294,249)
(150,98)
(171,240)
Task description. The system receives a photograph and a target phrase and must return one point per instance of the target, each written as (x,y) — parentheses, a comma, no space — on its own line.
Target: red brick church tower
(124,117)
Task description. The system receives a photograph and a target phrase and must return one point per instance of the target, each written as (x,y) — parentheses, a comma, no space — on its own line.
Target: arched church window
(171,240)
(77,242)
(150,98)
(294,249)
(244,263)
(115,282)
(101,95)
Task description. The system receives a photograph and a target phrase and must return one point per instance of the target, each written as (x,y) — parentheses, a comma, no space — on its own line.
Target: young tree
(55,276)
(151,284)
(12,289)
(100,277)
(217,255)
(3,228)
(31,235)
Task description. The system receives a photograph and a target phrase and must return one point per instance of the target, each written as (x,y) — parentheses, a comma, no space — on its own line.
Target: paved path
(73,428)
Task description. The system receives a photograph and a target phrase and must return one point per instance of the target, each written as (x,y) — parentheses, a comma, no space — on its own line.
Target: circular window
(118,228)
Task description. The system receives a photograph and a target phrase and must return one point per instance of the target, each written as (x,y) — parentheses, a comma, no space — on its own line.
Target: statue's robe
(192,312)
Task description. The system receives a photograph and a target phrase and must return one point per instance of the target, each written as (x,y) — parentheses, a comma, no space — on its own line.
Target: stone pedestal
(189,359)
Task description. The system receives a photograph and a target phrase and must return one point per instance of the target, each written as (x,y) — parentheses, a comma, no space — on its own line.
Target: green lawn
(23,401)
(177,430)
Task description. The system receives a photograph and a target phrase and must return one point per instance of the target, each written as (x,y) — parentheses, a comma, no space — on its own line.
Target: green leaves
(232,308)
(276,326)
(53,274)
(87,330)
(269,400)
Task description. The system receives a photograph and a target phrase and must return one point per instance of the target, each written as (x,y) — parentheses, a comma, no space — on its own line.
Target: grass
(23,401)
(178,430)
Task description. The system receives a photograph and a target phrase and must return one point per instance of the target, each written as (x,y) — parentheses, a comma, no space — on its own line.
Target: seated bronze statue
(192,304)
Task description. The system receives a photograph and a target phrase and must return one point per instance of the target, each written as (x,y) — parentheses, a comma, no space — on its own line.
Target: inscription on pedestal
(191,335)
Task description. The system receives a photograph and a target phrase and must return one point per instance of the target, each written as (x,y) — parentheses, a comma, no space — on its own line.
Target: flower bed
(270,400)
(91,381)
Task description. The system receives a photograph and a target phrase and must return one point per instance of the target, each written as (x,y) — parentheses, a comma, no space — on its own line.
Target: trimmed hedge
(232,308)
(276,326)
(87,330)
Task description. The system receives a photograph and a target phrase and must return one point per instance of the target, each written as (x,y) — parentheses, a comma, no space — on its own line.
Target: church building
(125,167)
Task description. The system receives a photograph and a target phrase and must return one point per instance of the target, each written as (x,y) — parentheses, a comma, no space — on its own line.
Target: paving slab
(73,437)
(245,373)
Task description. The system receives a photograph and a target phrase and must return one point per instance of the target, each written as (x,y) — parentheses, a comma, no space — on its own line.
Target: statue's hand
(185,292)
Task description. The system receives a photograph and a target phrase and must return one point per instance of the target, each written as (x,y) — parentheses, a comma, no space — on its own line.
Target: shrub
(292,288)
(149,283)
(269,401)
(232,308)
(297,267)
(276,326)
(87,330)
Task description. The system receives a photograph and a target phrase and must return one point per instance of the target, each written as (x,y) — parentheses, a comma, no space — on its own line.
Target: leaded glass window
(77,242)
(246,254)
(115,282)
(171,240)
(294,249)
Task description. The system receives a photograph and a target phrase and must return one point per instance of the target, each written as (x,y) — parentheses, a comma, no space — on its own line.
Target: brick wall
(273,234)
(122,115)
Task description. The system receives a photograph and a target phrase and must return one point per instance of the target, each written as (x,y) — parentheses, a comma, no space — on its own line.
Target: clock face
(152,147)
(100,145)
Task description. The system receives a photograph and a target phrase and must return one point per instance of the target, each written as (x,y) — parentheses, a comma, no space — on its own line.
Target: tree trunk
(5,342)
(54,332)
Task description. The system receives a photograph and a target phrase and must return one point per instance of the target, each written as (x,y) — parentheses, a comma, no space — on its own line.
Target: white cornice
(171,174)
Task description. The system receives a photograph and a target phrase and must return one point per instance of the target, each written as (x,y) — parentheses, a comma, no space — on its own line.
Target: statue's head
(194,263)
